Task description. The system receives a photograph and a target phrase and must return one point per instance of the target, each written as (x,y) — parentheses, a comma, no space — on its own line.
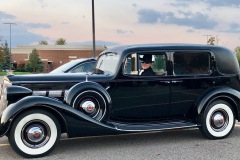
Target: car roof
(229,66)
(161,46)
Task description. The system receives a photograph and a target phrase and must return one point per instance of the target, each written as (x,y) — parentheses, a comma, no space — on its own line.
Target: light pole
(93,30)
(10,24)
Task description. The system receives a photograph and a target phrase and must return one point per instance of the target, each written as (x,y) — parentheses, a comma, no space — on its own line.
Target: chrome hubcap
(219,120)
(35,134)
(89,107)
(91,103)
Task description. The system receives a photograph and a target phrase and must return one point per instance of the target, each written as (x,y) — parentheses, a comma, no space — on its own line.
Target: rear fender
(229,94)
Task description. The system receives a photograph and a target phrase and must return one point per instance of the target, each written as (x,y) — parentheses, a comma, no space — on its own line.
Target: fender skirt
(35,101)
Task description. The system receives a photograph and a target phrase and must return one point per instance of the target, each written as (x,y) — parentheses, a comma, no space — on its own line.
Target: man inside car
(146,63)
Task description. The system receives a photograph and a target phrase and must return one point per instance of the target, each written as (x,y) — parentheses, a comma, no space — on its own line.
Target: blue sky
(121,22)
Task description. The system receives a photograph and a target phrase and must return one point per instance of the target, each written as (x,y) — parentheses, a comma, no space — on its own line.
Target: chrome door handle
(177,81)
(167,82)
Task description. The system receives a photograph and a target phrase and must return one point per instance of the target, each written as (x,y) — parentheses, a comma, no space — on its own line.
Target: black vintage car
(192,86)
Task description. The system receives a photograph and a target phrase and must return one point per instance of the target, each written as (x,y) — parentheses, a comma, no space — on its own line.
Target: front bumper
(4,129)
(1,128)
(1,132)
(3,94)
(3,104)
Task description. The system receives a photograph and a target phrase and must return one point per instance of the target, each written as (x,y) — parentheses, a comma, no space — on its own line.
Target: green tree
(160,62)
(211,41)
(2,58)
(237,51)
(61,41)
(43,42)
(7,56)
(34,63)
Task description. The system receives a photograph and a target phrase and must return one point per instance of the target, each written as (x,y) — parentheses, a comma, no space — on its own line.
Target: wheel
(91,103)
(218,120)
(34,133)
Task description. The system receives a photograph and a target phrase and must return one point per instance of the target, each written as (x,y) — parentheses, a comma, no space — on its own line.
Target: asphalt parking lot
(171,145)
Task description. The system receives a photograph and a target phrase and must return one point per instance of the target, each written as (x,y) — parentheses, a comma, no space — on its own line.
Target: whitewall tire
(34,133)
(218,120)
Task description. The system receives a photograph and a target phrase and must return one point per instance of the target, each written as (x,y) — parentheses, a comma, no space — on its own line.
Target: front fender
(218,93)
(15,93)
(35,101)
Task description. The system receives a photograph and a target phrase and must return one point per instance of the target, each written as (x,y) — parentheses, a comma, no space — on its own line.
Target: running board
(137,127)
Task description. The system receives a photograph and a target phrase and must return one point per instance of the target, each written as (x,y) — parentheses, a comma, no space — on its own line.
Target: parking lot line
(2,145)
(237,125)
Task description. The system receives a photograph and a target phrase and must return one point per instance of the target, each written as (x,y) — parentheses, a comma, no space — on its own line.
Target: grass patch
(2,73)
(15,73)
(18,73)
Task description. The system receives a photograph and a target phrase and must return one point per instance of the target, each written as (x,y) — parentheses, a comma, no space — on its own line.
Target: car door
(191,78)
(141,98)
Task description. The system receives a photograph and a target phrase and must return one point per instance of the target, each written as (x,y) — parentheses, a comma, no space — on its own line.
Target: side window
(191,63)
(137,62)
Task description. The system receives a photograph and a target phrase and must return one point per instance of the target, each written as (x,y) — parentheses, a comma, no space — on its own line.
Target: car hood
(55,81)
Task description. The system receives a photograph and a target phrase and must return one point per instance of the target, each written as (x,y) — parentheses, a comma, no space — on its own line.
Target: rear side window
(191,63)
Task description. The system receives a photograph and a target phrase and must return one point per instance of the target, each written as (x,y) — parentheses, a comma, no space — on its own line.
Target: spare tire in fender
(90,98)
(91,103)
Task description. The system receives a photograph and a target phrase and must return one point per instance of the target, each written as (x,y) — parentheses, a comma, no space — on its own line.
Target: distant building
(52,56)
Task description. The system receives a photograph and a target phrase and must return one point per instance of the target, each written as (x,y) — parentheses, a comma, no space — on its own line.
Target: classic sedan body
(193,86)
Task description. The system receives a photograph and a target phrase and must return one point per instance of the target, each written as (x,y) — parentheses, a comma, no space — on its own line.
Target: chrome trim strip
(55,93)
(190,126)
(52,93)
(39,93)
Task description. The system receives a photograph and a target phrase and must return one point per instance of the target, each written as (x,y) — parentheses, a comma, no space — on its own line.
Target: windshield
(66,66)
(108,62)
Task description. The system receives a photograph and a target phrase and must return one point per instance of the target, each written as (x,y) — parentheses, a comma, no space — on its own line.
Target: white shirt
(141,72)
